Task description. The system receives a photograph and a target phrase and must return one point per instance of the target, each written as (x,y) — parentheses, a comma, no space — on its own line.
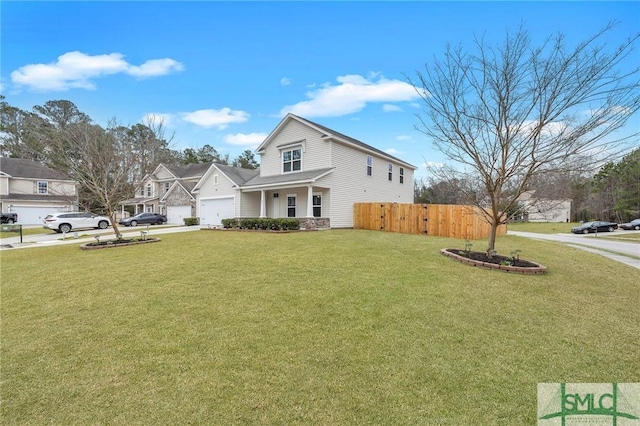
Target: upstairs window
(292,160)
(369,165)
(149,190)
(390,172)
(43,187)
(401,174)
(167,185)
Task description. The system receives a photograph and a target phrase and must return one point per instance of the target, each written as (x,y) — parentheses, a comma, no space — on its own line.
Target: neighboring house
(307,171)
(168,191)
(33,191)
(538,209)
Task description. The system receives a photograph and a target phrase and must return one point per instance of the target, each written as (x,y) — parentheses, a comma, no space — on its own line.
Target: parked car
(597,226)
(144,218)
(65,222)
(634,224)
(9,218)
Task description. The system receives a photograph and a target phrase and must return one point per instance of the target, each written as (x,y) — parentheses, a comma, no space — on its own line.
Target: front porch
(309,204)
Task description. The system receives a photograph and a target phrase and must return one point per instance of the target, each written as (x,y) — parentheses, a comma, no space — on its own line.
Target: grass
(25,232)
(332,327)
(542,227)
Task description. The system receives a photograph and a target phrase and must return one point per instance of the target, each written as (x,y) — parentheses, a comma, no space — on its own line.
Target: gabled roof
(237,175)
(30,169)
(196,170)
(328,133)
(185,186)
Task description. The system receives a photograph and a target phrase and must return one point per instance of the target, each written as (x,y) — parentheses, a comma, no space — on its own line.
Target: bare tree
(509,112)
(102,161)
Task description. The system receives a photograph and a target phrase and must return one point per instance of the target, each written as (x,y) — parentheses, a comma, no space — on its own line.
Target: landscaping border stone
(105,244)
(537,269)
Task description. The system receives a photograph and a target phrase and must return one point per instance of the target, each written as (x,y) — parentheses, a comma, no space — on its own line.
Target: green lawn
(542,227)
(26,232)
(333,328)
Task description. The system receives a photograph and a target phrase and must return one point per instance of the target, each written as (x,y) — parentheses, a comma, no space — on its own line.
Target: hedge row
(271,224)
(191,221)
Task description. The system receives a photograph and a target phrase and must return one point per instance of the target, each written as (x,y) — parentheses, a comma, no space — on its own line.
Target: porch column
(263,204)
(309,201)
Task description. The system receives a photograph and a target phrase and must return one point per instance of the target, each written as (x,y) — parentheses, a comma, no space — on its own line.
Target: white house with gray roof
(32,190)
(307,171)
(167,190)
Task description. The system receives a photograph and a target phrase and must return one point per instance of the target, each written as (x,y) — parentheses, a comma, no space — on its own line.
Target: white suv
(65,222)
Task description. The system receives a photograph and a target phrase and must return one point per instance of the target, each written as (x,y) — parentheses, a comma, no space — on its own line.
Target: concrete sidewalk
(44,240)
(627,253)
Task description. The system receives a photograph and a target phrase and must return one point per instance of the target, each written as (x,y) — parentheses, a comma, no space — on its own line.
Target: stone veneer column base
(311,223)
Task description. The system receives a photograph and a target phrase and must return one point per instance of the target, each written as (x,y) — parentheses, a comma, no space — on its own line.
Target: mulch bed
(123,242)
(496,259)
(502,263)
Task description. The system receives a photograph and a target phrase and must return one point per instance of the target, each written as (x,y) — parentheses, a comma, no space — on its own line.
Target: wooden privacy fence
(441,220)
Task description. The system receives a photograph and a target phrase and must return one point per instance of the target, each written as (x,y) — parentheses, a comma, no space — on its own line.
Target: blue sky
(225,73)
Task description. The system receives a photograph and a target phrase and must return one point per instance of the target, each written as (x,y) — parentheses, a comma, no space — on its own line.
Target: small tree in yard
(512,112)
(105,162)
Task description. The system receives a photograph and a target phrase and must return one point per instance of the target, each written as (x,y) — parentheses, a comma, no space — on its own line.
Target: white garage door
(28,215)
(213,211)
(175,214)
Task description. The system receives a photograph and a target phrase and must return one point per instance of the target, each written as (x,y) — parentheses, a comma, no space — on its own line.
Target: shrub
(229,223)
(265,224)
(191,221)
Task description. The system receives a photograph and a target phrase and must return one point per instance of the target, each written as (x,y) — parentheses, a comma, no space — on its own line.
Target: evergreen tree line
(32,134)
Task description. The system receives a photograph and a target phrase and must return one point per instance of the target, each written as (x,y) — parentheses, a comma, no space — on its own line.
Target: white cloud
(391,108)
(155,67)
(284,81)
(404,138)
(157,118)
(350,95)
(77,70)
(218,118)
(252,140)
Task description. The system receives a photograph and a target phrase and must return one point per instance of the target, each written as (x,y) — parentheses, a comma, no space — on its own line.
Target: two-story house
(33,191)
(167,190)
(306,171)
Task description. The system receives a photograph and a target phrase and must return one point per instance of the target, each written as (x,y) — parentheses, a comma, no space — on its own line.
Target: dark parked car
(598,226)
(634,224)
(144,218)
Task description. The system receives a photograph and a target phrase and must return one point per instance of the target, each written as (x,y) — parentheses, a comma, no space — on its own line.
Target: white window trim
(295,196)
(369,166)
(313,206)
(390,172)
(287,149)
(46,187)
(401,174)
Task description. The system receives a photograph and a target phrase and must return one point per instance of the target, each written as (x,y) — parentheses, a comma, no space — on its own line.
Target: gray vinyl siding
(315,155)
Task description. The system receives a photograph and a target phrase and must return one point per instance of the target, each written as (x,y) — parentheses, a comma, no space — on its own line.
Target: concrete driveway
(620,251)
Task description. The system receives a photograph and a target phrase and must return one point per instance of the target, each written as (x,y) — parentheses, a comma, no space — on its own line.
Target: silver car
(65,222)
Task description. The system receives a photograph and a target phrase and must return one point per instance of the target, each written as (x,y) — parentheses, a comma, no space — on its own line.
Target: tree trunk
(492,237)
(114,224)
